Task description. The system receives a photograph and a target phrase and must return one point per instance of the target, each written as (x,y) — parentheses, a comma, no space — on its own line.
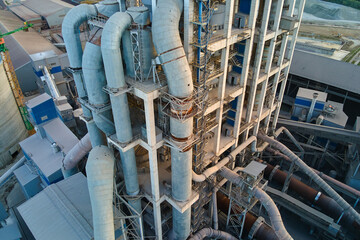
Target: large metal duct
(327,178)
(318,180)
(167,41)
(110,47)
(100,178)
(261,232)
(210,171)
(74,156)
(71,34)
(94,77)
(12,128)
(273,213)
(266,201)
(325,203)
(212,233)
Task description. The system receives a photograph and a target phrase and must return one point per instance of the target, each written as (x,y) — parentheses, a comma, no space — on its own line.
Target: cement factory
(178,119)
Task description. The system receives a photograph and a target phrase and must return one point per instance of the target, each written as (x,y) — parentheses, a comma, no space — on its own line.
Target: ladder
(15,87)
(136,44)
(204,33)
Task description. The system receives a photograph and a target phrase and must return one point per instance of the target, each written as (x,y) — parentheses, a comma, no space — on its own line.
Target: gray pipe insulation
(94,77)
(71,34)
(308,171)
(215,211)
(212,233)
(110,48)
(210,171)
(10,171)
(74,156)
(273,213)
(100,165)
(265,199)
(321,174)
(167,42)
(100,178)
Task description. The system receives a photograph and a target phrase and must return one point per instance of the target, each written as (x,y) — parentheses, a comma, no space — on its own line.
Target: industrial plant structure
(181,101)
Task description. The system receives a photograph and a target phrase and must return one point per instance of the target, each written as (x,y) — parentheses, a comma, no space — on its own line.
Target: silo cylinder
(12,128)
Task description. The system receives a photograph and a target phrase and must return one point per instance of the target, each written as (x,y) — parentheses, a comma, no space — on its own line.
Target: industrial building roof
(40,151)
(60,211)
(24,13)
(22,44)
(309,94)
(45,7)
(10,232)
(31,41)
(19,56)
(325,70)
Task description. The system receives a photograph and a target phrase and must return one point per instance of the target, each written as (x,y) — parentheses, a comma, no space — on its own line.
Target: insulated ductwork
(327,178)
(212,233)
(308,171)
(71,34)
(268,203)
(273,213)
(210,171)
(325,203)
(254,228)
(94,77)
(108,7)
(110,47)
(100,178)
(167,41)
(74,156)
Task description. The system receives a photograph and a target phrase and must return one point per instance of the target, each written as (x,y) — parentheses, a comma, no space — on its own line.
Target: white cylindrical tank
(12,128)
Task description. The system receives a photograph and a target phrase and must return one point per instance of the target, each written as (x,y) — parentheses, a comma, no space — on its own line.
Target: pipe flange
(231,158)
(74,70)
(273,172)
(259,221)
(317,197)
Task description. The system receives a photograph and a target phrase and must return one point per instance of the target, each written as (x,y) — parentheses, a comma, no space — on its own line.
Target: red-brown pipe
(328,205)
(264,232)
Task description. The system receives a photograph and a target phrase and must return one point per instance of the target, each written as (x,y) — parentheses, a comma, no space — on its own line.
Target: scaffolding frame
(137,50)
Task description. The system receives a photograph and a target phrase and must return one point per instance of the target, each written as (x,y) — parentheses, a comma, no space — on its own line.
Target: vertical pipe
(215,211)
(100,178)
(168,45)
(50,83)
(110,47)
(71,34)
(312,106)
(94,77)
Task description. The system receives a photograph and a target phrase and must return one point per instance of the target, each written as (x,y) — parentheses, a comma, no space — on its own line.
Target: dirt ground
(331,31)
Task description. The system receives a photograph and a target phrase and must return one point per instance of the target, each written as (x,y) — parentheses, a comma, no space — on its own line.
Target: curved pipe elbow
(273,213)
(167,42)
(210,171)
(310,172)
(114,30)
(110,48)
(71,33)
(94,76)
(79,151)
(212,233)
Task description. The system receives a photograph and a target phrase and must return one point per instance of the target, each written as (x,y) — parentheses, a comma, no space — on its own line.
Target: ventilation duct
(167,42)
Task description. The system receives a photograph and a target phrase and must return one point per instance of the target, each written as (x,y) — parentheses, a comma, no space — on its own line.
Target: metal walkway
(334,134)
